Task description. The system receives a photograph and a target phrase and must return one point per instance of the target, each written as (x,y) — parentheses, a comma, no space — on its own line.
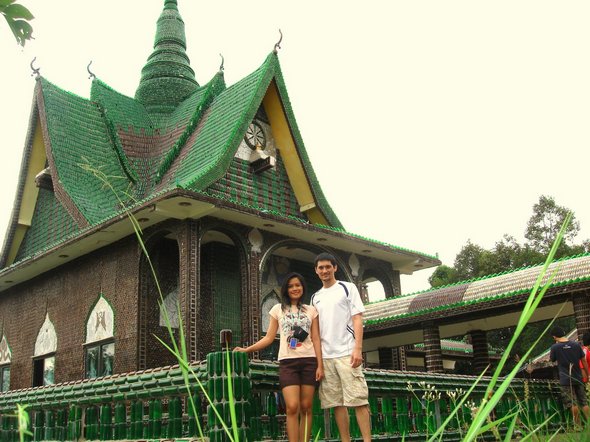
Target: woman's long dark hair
(285,300)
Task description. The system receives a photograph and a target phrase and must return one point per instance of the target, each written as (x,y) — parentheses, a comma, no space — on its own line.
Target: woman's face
(295,289)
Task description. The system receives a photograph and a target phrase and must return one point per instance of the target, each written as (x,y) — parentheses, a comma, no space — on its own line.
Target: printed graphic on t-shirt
(293,324)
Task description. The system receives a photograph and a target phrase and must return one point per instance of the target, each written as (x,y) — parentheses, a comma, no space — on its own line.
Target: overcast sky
(428,123)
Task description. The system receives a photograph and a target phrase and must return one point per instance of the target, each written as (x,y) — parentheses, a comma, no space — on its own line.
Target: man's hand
(356,358)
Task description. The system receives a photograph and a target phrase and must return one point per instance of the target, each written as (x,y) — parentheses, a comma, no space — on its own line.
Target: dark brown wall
(68,293)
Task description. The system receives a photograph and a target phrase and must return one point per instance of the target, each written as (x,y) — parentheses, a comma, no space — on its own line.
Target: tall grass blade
(317,436)
(497,422)
(511,427)
(545,422)
(185,364)
(440,431)
(492,396)
(22,418)
(185,377)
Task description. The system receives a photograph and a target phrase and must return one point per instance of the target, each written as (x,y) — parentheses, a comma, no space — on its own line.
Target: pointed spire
(167,78)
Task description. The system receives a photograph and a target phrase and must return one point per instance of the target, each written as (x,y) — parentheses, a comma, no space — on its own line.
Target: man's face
(326,271)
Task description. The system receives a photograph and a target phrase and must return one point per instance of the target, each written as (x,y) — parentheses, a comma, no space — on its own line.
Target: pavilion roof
(474,293)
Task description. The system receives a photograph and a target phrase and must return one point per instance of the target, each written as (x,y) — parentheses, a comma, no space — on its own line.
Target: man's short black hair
(586,338)
(324,256)
(558,332)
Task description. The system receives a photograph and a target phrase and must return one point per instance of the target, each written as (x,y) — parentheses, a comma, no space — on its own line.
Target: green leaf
(4,3)
(18,11)
(510,430)
(21,29)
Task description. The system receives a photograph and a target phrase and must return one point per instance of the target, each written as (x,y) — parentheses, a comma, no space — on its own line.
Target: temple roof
(175,140)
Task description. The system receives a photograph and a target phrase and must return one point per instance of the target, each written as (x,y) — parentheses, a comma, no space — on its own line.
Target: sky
(428,123)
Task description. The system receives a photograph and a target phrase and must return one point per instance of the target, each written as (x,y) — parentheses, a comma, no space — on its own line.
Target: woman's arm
(317,346)
(268,339)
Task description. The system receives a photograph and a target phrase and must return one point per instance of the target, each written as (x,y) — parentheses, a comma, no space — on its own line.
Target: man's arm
(356,357)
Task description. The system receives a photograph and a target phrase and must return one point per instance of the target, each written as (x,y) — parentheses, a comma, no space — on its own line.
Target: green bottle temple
(219,181)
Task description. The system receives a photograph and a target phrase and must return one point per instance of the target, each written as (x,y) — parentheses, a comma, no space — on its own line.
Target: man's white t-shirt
(336,305)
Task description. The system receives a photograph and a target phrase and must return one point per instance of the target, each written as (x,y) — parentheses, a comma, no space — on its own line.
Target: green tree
(18,18)
(545,223)
(443,275)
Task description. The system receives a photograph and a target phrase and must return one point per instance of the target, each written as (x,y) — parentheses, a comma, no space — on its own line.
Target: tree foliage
(545,223)
(18,18)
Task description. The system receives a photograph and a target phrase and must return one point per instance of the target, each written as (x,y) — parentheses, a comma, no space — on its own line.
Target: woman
(300,354)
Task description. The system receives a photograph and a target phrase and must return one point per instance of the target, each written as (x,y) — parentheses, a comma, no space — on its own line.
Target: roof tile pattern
(269,190)
(50,222)
(489,288)
(79,137)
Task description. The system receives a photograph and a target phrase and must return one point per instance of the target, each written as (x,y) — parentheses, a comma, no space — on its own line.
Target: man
(568,354)
(340,311)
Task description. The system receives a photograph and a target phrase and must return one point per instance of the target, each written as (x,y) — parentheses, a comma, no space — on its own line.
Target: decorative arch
(314,250)
(100,324)
(375,274)
(46,342)
(5,351)
(280,259)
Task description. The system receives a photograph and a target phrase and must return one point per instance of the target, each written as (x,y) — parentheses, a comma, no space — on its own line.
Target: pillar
(481,356)
(189,255)
(392,358)
(581,301)
(433,353)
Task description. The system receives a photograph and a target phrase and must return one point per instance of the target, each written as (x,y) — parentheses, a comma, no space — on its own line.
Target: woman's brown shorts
(297,371)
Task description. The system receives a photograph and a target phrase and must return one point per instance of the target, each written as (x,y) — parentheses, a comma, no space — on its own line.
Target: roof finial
(89,71)
(35,71)
(278,43)
(222,63)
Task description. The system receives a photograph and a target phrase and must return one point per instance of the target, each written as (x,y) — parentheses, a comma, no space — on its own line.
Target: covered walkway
(473,307)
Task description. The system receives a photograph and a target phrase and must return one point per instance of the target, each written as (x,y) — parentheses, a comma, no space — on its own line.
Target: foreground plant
(497,387)
(22,417)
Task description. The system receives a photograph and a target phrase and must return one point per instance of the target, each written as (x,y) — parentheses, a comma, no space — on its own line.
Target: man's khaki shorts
(343,385)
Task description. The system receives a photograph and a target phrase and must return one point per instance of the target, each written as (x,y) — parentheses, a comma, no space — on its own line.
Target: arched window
(100,341)
(5,358)
(44,357)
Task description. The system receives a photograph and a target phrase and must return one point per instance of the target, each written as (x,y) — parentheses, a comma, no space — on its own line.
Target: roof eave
(182,204)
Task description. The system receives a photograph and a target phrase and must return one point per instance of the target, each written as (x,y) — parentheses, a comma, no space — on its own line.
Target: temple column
(189,285)
(433,353)
(253,315)
(399,358)
(581,303)
(481,357)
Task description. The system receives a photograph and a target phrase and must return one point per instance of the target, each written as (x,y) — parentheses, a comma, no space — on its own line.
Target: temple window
(44,357)
(4,377)
(44,371)
(99,359)
(99,352)
(5,358)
